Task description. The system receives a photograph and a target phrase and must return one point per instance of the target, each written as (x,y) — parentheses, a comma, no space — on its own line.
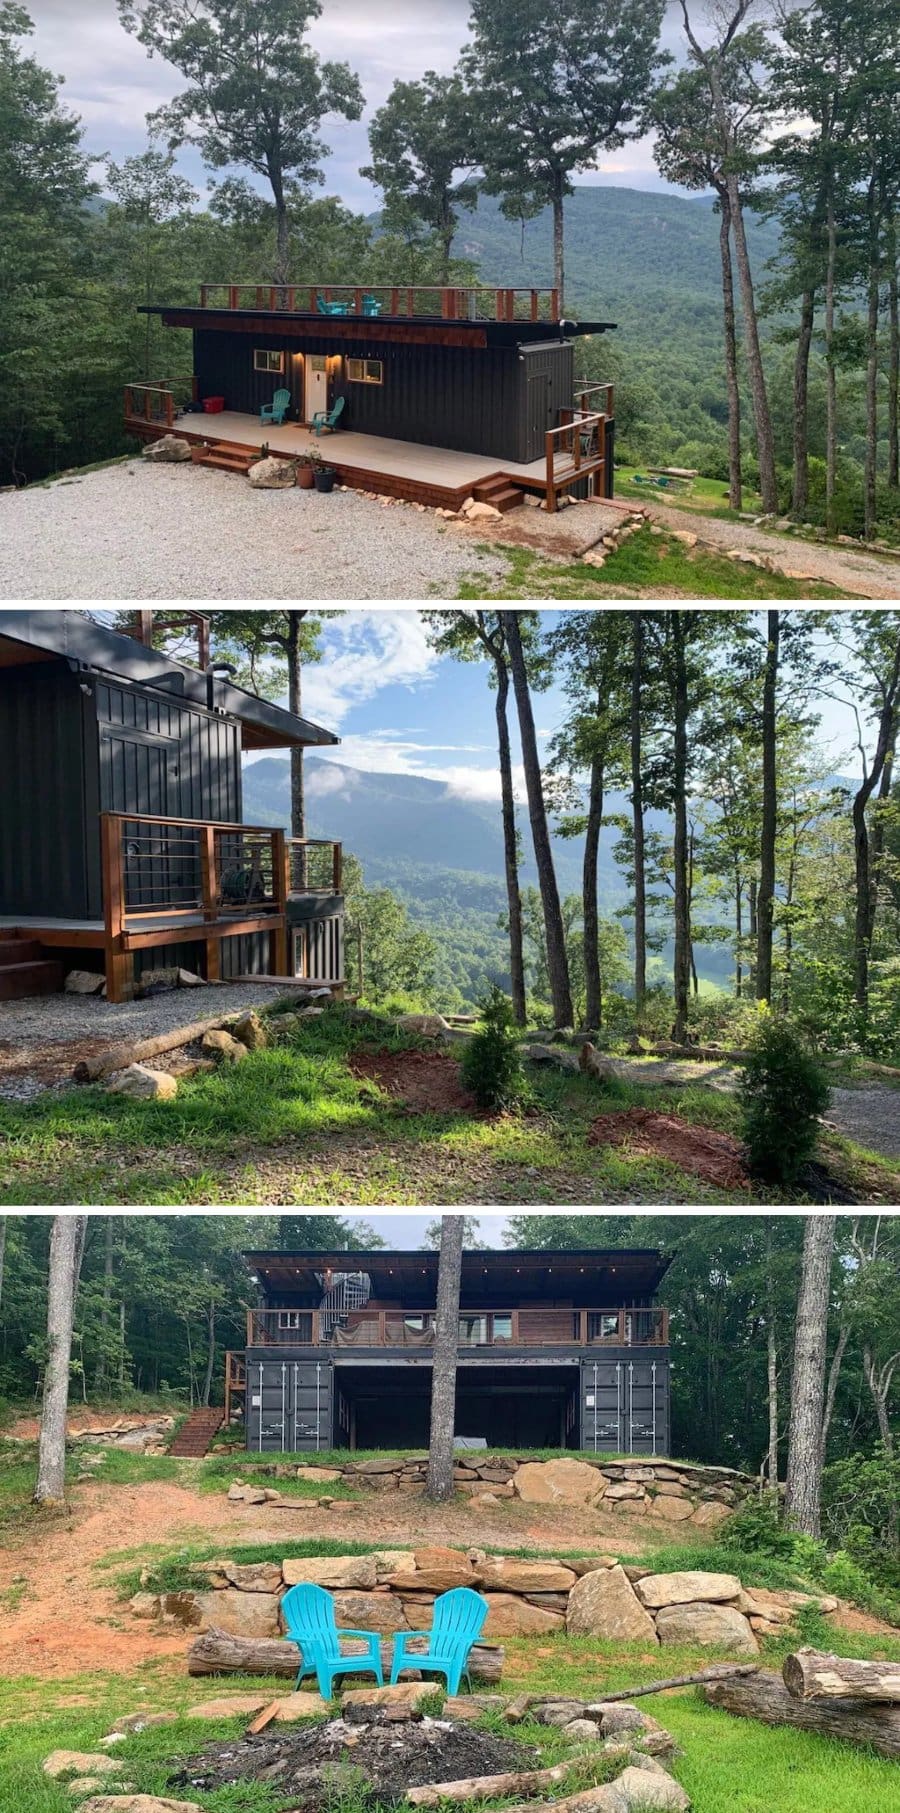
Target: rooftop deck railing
(445,302)
(497,1329)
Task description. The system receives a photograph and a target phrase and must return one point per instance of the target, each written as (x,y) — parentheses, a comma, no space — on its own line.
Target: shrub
(492,1063)
(783,1091)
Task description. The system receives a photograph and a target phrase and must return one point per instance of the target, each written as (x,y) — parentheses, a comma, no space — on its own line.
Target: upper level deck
(392,301)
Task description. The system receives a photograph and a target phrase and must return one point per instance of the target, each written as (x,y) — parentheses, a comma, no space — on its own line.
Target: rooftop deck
(392,301)
(478,1328)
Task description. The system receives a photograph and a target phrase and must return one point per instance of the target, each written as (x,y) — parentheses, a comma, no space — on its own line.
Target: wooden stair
(226,455)
(195,1437)
(500,492)
(25,970)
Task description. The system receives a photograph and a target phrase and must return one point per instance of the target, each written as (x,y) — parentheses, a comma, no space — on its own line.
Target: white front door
(316,385)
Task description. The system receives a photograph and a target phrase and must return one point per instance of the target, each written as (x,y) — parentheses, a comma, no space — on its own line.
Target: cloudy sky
(401,709)
(112,84)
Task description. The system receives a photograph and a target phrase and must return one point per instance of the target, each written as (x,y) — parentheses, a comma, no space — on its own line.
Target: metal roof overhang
(537,1273)
(37,635)
(421,330)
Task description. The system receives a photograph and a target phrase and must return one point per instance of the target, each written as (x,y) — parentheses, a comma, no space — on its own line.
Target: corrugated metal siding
(161,755)
(441,396)
(550,366)
(625,1402)
(289,1404)
(43,758)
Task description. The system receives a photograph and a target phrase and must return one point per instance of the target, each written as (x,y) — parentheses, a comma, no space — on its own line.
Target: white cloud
(364,652)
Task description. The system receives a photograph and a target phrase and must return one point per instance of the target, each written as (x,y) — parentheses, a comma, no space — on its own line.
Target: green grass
(644,566)
(292,1125)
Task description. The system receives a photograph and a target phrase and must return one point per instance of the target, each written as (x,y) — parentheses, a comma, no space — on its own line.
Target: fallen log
(528,1782)
(812,1674)
(218,1652)
(589,1800)
(118,1057)
(718,1671)
(764,1697)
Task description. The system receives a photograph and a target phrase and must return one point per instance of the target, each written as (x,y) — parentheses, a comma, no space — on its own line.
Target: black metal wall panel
(160,755)
(290,1404)
(547,379)
(625,1402)
(438,395)
(44,785)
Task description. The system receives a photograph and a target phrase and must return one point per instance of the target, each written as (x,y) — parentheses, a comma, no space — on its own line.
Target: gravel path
(865,575)
(37,1036)
(142,531)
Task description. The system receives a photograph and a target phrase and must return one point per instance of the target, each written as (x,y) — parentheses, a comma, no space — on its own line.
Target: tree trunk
(866,869)
(593,981)
(893,466)
(834,1373)
(295,704)
(771,1367)
(751,932)
(803,1493)
(3,1220)
(870,475)
(559,239)
(681,967)
(763,1696)
(830,369)
(637,815)
(219,1652)
(66,1239)
(439,1484)
(765,443)
(765,899)
(557,963)
(800,489)
(510,845)
(735,474)
(738,935)
(282,226)
(812,1674)
(210,1350)
(101,1375)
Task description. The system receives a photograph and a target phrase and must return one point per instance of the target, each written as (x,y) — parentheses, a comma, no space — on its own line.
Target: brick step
(195,1436)
(20,980)
(20,950)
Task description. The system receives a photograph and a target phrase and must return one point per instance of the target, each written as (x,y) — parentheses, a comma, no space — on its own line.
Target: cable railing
(496,1328)
(447,302)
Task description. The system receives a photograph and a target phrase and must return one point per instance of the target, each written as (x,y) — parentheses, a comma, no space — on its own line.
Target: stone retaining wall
(395,1589)
(662,1489)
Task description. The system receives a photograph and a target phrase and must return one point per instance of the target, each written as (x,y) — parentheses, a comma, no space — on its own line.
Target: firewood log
(493,1787)
(764,1696)
(811,1674)
(218,1652)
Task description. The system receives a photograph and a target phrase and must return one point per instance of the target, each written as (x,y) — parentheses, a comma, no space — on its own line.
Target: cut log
(493,1787)
(118,1057)
(719,1671)
(763,1696)
(218,1652)
(811,1674)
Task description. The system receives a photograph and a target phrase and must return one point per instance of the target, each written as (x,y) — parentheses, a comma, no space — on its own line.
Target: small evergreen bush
(492,1063)
(783,1091)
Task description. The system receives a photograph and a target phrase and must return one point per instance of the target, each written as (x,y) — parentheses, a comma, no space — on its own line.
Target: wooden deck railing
(576,451)
(153,404)
(447,302)
(622,1327)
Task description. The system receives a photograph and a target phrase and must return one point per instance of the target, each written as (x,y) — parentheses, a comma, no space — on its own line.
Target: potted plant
(305,468)
(323,476)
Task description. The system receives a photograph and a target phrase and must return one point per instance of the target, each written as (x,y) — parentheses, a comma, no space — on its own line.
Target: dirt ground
(62,1614)
(850,569)
(425,1081)
(716,1158)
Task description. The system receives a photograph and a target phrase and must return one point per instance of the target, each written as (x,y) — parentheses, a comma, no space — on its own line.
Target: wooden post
(209,887)
(233,296)
(337,870)
(281,887)
(551,478)
(515,1327)
(583,1328)
(204,295)
(382,1328)
(410,302)
(118,963)
(554,305)
(395,302)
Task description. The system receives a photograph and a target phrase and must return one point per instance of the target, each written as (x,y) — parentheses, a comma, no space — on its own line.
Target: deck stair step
(226,455)
(19,980)
(195,1436)
(500,492)
(14,949)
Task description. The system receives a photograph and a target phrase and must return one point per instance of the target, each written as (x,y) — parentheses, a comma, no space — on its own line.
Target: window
(263,361)
(365,371)
(473,1331)
(502,1328)
(292,1318)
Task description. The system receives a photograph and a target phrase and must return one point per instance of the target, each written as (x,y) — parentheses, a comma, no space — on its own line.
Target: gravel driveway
(871,1116)
(854,571)
(142,531)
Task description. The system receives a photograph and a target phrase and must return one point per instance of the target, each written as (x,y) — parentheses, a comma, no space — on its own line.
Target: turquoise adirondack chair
(309,1617)
(277,409)
(458,1621)
(371,305)
(331,308)
(328,418)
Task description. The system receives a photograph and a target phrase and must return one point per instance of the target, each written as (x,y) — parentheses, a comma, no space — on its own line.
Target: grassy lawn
(293,1125)
(646,565)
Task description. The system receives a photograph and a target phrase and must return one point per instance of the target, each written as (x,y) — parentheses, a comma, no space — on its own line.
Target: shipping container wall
(289,1405)
(625,1403)
(46,754)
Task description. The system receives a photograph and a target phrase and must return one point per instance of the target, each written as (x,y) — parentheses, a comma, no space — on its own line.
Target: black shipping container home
(556,1350)
(121,835)
(442,392)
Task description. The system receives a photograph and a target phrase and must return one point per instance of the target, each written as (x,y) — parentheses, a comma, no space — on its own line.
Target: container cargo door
(625,1405)
(539,413)
(289,1406)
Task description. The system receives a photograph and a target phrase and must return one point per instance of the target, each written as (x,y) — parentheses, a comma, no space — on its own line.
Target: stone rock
(720,1627)
(483,513)
(242,1614)
(368,1700)
(220,1044)
(296,1706)
(686,536)
(339,1572)
(377,1612)
(605,1604)
(83,982)
(656,1590)
(672,1508)
(563,1481)
(745,557)
(247,1495)
(255,1577)
(442,1558)
(512,1617)
(138,1803)
(272,475)
(710,1515)
(503,1575)
(230,1706)
(248,1027)
(131,1722)
(591,1062)
(87,1784)
(80,1762)
(170,449)
(621,1489)
(141,1084)
(582,1730)
(321,1476)
(187,978)
(425,1026)
(431,1580)
(144,1605)
(646,1789)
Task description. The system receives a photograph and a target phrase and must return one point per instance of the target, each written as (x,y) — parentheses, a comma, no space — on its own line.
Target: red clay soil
(716,1158)
(423,1081)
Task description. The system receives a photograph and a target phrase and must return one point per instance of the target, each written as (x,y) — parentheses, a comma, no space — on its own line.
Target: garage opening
(502,1406)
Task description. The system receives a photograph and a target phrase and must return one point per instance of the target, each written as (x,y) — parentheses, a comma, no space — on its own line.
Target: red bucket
(213,405)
